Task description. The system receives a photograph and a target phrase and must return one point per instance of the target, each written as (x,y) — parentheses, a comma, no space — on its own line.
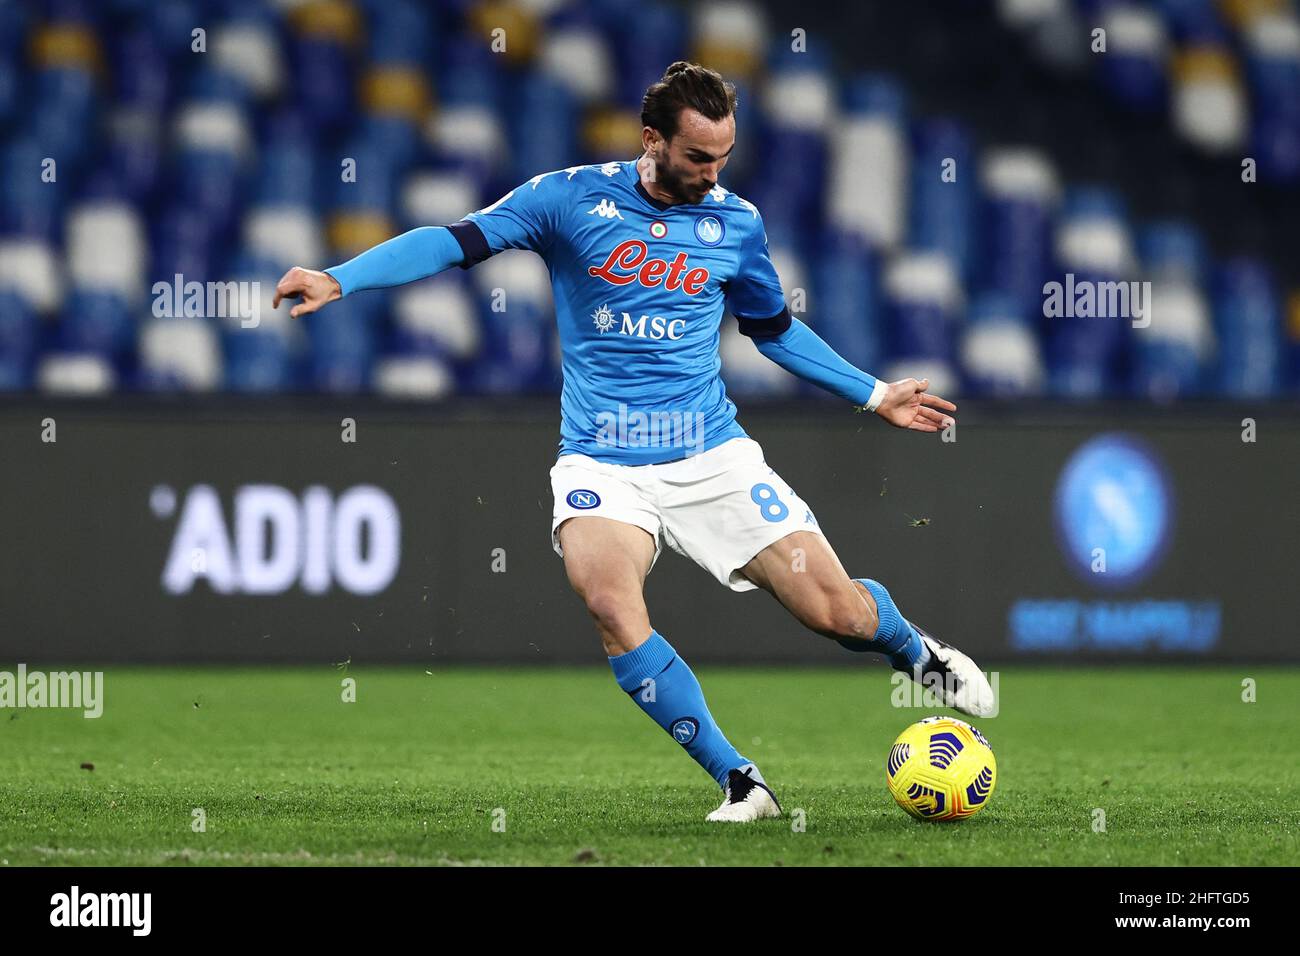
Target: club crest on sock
(684,730)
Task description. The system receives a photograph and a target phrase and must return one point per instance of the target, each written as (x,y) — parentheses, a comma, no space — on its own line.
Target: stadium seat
(342,347)
(20,329)
(1171,354)
(107,248)
(71,373)
(32,269)
(517,327)
(1248,317)
(575,55)
(180,354)
(1133,69)
(1093,250)
(867,184)
(1020,196)
(437,317)
(438,198)
(944,192)
(413,377)
(96,321)
(1000,352)
(844,306)
(1272,38)
(283,235)
(30,203)
(214,143)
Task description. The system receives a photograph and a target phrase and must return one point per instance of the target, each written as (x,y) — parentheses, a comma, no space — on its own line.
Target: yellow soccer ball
(941,768)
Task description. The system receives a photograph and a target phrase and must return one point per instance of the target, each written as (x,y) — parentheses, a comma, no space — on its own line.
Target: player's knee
(612,610)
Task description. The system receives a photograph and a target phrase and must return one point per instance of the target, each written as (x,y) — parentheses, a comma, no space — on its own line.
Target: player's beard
(676,185)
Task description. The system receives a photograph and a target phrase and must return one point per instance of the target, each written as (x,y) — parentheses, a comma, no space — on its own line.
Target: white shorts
(719,508)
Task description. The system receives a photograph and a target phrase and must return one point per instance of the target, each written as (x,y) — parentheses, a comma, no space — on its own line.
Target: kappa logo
(605,209)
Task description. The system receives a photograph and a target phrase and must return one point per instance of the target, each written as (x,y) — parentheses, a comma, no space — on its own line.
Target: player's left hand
(907,405)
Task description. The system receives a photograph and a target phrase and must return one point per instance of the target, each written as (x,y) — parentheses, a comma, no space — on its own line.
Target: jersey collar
(640,188)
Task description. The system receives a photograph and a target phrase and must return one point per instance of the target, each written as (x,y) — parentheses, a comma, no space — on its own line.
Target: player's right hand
(315,288)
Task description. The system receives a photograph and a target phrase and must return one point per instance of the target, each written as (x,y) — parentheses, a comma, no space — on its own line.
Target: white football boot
(748,798)
(964,686)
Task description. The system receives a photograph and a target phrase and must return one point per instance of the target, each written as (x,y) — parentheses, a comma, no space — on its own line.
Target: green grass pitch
(422,765)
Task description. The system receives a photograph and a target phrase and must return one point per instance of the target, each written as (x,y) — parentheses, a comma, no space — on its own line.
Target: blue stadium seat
(1020,194)
(1093,248)
(1133,68)
(96,321)
(1000,351)
(543,128)
(1248,317)
(845,306)
(343,348)
(141,74)
(19,337)
(30,205)
(257,361)
(1273,70)
(944,191)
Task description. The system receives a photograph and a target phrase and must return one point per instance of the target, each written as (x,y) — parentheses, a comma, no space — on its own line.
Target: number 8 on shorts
(771,507)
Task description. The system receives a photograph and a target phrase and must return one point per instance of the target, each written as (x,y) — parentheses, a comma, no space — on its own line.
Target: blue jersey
(639,289)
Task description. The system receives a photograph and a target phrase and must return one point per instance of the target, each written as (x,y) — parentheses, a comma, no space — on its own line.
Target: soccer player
(643,257)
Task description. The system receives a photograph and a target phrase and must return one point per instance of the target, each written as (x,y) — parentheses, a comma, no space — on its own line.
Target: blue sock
(895,637)
(663,686)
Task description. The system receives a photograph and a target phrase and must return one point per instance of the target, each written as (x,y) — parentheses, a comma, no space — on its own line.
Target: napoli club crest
(583,499)
(708,229)
(685,729)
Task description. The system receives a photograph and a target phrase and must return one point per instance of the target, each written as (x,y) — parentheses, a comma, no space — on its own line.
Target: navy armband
(765,328)
(472,242)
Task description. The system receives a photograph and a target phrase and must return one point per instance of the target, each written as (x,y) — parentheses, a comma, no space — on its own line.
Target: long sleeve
(417,254)
(802,352)
(524,218)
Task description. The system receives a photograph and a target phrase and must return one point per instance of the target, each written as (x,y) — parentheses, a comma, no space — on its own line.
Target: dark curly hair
(686,85)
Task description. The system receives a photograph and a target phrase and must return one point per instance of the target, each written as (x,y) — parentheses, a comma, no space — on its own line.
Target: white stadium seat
(184,349)
(72,374)
(413,377)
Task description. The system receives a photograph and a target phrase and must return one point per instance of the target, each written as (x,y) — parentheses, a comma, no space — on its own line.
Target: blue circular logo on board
(684,730)
(708,229)
(1114,508)
(583,499)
